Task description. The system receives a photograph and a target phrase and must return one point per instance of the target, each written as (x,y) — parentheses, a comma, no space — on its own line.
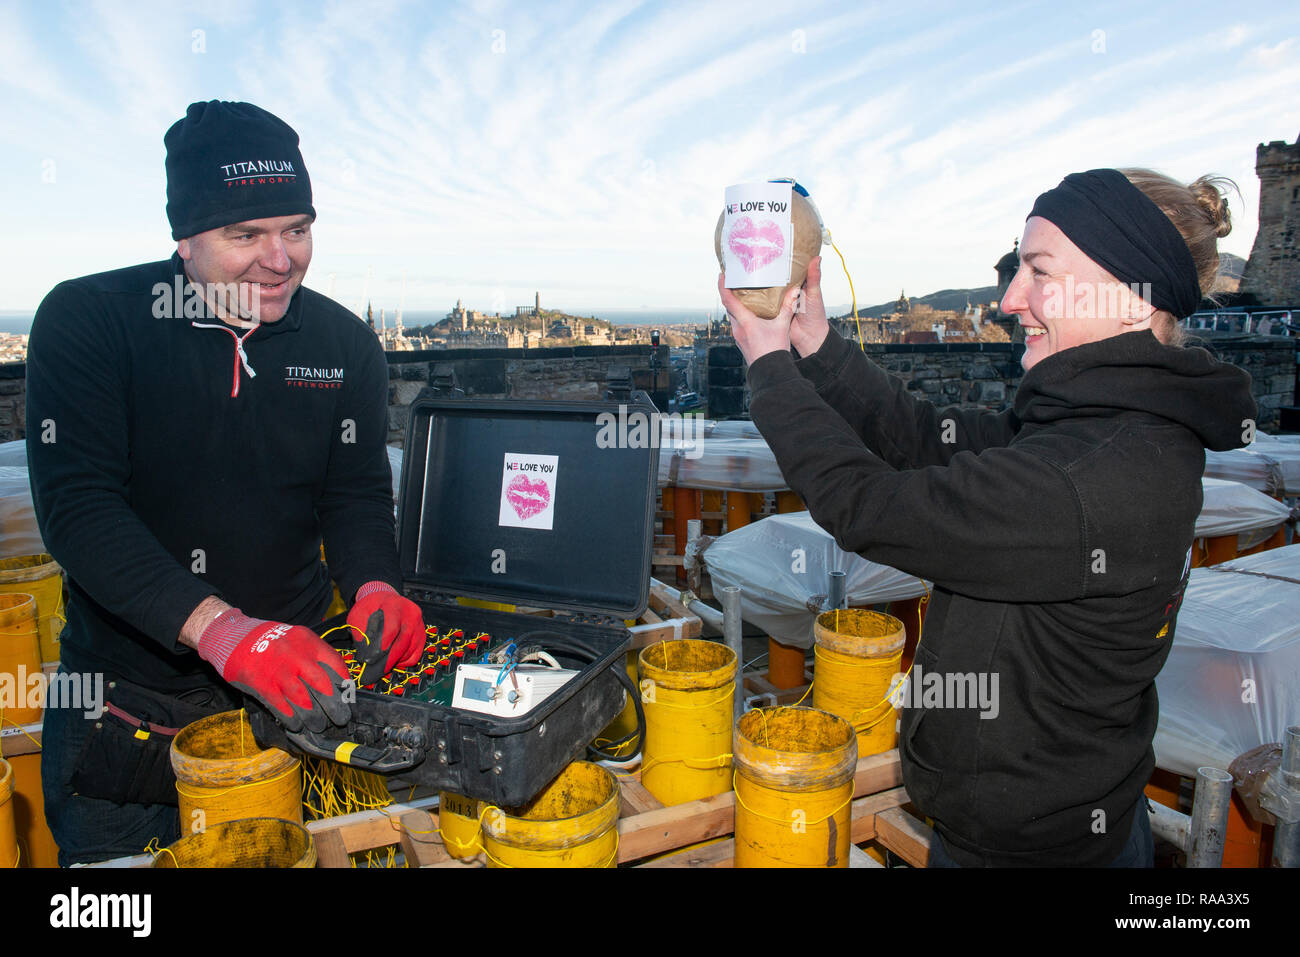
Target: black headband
(1120,229)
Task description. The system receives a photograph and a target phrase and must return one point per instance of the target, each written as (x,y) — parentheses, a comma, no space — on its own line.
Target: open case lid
(533,503)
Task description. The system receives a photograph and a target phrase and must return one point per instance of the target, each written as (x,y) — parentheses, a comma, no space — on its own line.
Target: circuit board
(433,677)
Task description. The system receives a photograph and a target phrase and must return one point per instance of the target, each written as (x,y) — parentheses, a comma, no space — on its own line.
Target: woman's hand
(801,321)
(809,328)
(757,337)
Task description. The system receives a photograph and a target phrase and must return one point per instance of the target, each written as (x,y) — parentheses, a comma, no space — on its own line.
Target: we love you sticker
(757,235)
(528,490)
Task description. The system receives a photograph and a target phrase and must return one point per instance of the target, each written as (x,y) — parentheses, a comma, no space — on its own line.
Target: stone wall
(575,372)
(985,375)
(974,375)
(981,375)
(13,401)
(1272,273)
(1271,362)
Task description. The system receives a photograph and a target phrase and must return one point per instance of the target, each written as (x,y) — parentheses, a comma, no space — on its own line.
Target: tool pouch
(126,758)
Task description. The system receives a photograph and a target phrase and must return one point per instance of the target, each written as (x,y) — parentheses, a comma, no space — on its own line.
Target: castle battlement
(1272,273)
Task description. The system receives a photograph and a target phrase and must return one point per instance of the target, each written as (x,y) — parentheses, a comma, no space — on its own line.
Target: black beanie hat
(231,162)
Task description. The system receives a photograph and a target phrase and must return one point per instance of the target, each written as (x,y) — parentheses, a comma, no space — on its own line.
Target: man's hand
(287,667)
(757,337)
(403,636)
(809,328)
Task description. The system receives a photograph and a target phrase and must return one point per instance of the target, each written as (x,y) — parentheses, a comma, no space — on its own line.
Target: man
(196,426)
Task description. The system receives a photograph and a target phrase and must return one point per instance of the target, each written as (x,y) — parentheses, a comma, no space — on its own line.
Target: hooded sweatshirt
(167,464)
(1058,536)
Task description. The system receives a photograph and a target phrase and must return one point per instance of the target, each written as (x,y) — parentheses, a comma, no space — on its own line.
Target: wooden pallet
(650,835)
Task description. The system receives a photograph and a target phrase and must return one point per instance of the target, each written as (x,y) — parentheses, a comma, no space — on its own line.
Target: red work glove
(286,667)
(403,635)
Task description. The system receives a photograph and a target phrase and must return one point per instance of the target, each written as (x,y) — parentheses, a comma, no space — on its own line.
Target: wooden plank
(330,849)
(636,799)
(757,684)
(719,854)
(648,617)
(860,858)
(645,635)
(904,835)
(420,840)
(876,773)
(672,827)
(366,830)
(17,739)
(865,810)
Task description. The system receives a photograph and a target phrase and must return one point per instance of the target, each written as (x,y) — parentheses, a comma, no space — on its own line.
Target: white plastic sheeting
(395,465)
(1285,450)
(18,532)
(704,453)
(1255,469)
(783,563)
(745,465)
(1232,680)
(13,453)
(1232,508)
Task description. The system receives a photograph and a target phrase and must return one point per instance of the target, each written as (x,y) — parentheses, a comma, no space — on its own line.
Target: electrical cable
(579,649)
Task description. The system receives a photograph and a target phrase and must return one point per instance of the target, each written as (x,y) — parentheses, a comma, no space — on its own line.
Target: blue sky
(484,150)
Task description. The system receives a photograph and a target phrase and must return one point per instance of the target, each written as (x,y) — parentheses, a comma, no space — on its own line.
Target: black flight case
(470,526)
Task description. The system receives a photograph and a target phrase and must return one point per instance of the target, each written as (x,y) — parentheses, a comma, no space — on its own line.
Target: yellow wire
(778,820)
(852,293)
(345,625)
(153,849)
(696,764)
(24,733)
(727,692)
(806,693)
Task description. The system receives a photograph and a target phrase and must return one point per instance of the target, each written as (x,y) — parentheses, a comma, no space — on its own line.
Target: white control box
(480,688)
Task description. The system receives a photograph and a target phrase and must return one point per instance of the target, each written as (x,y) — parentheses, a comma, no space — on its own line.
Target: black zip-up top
(160,478)
(1058,536)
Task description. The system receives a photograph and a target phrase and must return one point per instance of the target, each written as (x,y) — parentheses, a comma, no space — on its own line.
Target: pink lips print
(527,497)
(755,245)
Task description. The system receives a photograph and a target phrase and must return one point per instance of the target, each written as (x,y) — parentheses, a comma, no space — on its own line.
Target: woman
(1058,533)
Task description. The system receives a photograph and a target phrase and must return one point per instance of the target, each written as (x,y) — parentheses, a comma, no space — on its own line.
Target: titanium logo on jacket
(305,377)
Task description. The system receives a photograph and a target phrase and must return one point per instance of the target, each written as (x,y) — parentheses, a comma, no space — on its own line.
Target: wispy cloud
(488,149)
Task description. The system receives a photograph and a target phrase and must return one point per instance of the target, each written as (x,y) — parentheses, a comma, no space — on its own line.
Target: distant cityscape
(13,347)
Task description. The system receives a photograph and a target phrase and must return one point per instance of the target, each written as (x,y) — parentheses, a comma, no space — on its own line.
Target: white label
(528,490)
(757,235)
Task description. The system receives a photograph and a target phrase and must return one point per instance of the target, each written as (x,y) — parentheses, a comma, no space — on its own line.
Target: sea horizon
(19,321)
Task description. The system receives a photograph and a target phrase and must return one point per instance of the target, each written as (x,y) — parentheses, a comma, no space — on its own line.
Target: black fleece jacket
(155,487)
(1058,536)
